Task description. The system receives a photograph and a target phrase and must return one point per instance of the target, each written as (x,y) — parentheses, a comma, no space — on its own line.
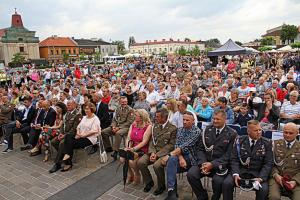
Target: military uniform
(256,163)
(287,162)
(162,143)
(6,112)
(215,149)
(123,119)
(69,126)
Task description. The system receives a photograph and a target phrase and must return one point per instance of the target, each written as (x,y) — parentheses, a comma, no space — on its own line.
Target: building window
(22,49)
(102,50)
(159,49)
(20,39)
(74,51)
(166,49)
(170,48)
(150,50)
(154,49)
(106,50)
(146,50)
(133,51)
(57,52)
(69,51)
(51,52)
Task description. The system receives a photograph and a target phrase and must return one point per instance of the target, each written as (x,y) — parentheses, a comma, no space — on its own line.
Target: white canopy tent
(286,48)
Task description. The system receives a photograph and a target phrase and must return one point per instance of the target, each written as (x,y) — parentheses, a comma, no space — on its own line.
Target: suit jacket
(103,115)
(30,116)
(261,158)
(39,116)
(70,122)
(290,158)
(261,107)
(49,117)
(163,139)
(220,155)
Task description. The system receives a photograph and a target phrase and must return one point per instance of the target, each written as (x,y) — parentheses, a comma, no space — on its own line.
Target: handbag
(102,154)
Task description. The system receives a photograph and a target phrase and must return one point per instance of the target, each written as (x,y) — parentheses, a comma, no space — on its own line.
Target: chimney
(178,40)
(155,40)
(149,41)
(163,40)
(146,41)
(16,20)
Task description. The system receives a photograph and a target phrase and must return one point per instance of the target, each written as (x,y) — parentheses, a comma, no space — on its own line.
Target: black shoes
(7,150)
(114,155)
(159,191)
(172,195)
(108,150)
(55,168)
(26,147)
(148,186)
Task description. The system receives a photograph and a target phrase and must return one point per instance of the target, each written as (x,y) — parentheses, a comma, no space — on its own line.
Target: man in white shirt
(153,97)
(290,110)
(177,118)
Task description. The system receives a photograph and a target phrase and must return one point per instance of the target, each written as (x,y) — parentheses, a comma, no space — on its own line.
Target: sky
(241,20)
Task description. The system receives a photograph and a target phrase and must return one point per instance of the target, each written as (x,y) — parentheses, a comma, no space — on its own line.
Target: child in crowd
(244,116)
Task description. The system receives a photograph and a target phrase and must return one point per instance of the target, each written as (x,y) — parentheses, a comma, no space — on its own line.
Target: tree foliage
(264,48)
(267,41)
(121,46)
(181,51)
(97,56)
(213,43)
(239,43)
(131,41)
(296,45)
(195,51)
(65,57)
(82,56)
(288,33)
(18,58)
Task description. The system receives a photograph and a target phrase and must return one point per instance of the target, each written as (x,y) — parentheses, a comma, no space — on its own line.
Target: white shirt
(177,119)
(26,112)
(153,97)
(250,141)
(292,143)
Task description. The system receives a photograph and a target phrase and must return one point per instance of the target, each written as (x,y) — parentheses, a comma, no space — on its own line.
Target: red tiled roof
(2,32)
(58,42)
(164,42)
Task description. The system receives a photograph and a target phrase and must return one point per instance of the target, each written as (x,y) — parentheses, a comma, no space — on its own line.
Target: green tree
(214,43)
(195,51)
(265,48)
(97,56)
(131,41)
(121,46)
(296,45)
(181,51)
(163,54)
(288,33)
(239,43)
(65,57)
(267,41)
(18,58)
(82,56)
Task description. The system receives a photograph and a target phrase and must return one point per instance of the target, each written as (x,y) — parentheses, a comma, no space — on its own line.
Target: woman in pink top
(138,138)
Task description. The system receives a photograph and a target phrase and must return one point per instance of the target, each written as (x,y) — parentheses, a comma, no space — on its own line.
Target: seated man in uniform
(251,162)
(119,127)
(285,177)
(161,144)
(213,154)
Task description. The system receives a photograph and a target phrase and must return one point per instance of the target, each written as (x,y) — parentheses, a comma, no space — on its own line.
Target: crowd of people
(157,106)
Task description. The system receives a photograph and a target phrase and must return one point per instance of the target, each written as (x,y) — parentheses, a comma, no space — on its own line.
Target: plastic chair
(235,127)
(244,130)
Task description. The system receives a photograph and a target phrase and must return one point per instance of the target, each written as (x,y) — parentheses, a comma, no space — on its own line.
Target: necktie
(252,145)
(97,107)
(288,145)
(218,132)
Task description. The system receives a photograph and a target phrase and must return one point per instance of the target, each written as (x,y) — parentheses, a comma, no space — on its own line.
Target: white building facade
(166,46)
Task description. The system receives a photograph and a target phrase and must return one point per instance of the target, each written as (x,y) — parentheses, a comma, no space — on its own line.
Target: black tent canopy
(229,48)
